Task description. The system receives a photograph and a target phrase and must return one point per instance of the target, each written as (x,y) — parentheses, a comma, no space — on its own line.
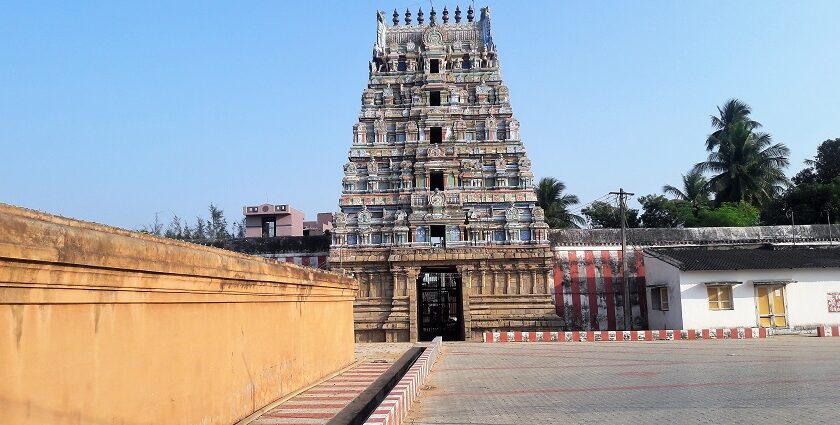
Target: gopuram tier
(438,218)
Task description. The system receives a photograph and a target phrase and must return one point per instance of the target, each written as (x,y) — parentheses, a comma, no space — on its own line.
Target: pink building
(266,221)
(321,225)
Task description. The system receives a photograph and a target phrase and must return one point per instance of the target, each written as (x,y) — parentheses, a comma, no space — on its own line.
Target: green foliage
(695,188)
(729,214)
(175,229)
(239,228)
(815,196)
(603,215)
(556,204)
(217,225)
(214,228)
(200,229)
(811,203)
(732,112)
(827,162)
(659,211)
(745,163)
(153,228)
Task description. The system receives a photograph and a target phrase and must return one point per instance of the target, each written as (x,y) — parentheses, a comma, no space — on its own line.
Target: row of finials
(432,15)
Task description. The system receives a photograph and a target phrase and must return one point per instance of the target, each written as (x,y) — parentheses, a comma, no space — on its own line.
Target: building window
(434,98)
(436,135)
(720,297)
(436,180)
(434,66)
(269,227)
(438,236)
(659,298)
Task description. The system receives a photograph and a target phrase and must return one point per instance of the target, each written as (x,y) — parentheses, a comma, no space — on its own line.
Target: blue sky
(113,111)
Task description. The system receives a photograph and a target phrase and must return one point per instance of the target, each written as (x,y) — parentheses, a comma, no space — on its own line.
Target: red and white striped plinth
(650,335)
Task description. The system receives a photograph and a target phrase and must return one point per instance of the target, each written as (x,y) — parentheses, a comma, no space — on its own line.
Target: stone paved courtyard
(784,379)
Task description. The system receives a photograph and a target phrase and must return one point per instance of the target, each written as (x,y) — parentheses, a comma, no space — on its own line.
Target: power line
(582,206)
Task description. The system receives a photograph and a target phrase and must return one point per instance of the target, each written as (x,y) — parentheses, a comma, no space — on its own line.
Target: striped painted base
(597,336)
(828,330)
(321,403)
(394,408)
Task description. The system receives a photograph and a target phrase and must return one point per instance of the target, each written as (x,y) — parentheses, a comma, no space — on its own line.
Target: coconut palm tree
(695,188)
(733,111)
(556,204)
(746,166)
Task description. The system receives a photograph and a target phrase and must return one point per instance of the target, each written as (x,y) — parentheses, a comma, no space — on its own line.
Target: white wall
(806,297)
(807,301)
(656,272)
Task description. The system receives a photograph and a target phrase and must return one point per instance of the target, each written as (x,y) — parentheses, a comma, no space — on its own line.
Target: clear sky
(113,111)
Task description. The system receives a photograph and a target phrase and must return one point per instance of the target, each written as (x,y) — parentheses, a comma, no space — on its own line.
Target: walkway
(321,403)
(784,379)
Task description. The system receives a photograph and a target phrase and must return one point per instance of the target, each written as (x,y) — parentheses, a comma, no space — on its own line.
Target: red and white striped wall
(394,408)
(828,330)
(599,336)
(588,288)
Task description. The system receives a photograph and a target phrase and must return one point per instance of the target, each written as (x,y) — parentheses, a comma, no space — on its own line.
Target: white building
(742,286)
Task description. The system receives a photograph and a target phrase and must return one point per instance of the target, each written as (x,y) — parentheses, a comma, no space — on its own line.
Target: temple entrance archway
(439,304)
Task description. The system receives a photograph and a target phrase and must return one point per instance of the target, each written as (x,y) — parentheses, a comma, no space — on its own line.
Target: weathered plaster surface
(100,325)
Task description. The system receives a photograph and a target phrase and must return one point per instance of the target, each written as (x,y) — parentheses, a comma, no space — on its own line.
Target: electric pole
(828,218)
(622,205)
(789,213)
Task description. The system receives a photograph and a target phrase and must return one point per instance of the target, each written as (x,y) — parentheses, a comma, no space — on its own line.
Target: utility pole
(789,213)
(622,205)
(828,217)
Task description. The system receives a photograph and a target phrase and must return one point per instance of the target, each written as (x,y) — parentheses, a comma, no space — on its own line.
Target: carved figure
(501,163)
(364,215)
(350,168)
(512,213)
(436,199)
(339,220)
(538,213)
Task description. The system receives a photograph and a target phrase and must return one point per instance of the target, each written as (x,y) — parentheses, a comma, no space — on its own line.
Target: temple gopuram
(438,219)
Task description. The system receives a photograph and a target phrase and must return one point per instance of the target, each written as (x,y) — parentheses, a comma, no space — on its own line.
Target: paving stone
(784,379)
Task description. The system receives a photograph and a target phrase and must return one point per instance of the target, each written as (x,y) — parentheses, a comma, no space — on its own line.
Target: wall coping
(694,235)
(36,237)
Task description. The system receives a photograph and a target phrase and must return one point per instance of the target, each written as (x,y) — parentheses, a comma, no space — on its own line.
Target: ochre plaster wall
(104,326)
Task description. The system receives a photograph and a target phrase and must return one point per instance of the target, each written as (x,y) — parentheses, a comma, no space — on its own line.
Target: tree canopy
(603,215)
(746,166)
(556,204)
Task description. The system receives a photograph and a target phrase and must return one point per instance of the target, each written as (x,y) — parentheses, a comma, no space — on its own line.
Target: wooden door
(770,301)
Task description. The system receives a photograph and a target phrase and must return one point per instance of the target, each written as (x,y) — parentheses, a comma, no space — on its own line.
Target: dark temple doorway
(440,308)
